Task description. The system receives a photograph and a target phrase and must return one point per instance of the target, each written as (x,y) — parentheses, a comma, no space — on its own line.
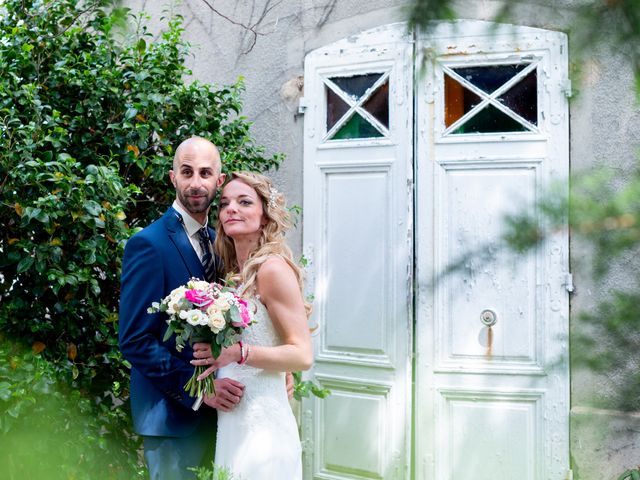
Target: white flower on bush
(194,317)
(216,318)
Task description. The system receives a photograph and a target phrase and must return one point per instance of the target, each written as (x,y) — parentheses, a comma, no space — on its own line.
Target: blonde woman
(259,438)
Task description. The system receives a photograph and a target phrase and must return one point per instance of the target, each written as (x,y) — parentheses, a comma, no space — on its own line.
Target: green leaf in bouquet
(170,331)
(182,339)
(216,349)
(234,314)
(229,283)
(230,338)
(189,329)
(183,304)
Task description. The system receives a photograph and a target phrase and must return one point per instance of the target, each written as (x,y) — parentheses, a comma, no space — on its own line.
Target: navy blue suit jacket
(156,260)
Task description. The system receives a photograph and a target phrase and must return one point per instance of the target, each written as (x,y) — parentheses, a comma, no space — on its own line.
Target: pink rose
(198,297)
(244,314)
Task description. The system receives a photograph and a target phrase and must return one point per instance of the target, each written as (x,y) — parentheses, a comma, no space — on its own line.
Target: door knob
(488,317)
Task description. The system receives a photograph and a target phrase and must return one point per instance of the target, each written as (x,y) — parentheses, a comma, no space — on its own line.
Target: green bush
(90,112)
(633,474)
(49,429)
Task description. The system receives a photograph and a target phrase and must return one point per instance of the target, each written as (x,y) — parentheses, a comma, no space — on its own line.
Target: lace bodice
(258,439)
(262,332)
(263,389)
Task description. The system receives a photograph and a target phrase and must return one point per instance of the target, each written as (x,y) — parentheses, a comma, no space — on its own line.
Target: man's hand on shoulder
(290,384)
(228,395)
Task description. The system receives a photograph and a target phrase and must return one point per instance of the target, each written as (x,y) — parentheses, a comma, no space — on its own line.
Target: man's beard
(198,208)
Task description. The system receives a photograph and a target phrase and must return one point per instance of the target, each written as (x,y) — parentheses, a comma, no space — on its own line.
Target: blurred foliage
(615,23)
(633,474)
(604,216)
(603,209)
(91,109)
(48,429)
(214,473)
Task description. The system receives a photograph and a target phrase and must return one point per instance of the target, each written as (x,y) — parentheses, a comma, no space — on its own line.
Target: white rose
(216,319)
(223,302)
(173,300)
(199,284)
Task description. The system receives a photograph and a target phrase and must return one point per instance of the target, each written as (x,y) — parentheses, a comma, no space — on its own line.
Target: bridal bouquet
(204,312)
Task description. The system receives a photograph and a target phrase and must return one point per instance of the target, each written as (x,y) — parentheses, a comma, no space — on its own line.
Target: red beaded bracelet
(244,353)
(242,358)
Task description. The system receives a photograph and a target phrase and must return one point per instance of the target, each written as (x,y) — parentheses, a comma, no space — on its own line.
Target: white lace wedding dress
(259,440)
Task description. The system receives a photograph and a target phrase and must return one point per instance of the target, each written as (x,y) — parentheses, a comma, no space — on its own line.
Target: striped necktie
(208,261)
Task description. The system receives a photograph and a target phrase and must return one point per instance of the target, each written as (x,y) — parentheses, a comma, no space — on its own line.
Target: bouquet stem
(200,388)
(196,405)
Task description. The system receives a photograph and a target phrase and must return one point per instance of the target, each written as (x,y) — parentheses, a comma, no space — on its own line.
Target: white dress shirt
(191,226)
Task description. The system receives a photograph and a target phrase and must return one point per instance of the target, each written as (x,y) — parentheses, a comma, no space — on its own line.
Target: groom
(161,257)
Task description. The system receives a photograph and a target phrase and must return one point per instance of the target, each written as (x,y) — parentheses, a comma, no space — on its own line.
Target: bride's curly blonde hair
(271,242)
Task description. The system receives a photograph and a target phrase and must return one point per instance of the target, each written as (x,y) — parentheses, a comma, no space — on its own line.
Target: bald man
(161,257)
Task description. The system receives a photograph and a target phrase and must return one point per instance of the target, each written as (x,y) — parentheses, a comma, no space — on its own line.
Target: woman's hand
(203,357)
(202,351)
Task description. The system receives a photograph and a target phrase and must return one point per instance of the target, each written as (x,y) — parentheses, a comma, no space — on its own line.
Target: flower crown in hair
(273,196)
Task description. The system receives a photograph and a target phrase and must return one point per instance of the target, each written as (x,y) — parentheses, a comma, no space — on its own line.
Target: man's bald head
(196,176)
(193,147)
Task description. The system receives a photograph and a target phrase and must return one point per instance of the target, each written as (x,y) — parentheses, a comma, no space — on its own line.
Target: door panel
(354,433)
(491,428)
(474,197)
(355,284)
(357,236)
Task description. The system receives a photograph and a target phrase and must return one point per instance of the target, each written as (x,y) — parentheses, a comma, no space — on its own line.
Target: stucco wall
(604,131)
(604,119)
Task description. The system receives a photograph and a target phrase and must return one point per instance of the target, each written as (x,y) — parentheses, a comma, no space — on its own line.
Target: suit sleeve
(140,333)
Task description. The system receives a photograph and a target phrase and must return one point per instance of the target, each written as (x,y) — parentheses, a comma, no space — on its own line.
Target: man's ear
(221,179)
(172,177)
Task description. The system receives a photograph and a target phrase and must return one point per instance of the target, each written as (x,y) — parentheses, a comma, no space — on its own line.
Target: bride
(259,440)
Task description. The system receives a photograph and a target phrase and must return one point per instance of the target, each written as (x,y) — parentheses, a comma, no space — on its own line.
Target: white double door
(415,149)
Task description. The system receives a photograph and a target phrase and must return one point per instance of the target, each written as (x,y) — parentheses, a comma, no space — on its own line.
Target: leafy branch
(302,388)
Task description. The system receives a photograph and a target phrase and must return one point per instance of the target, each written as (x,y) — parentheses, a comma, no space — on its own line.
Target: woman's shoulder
(277,281)
(274,266)
(275,277)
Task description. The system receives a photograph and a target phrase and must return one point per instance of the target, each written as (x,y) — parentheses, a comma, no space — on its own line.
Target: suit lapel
(178,236)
